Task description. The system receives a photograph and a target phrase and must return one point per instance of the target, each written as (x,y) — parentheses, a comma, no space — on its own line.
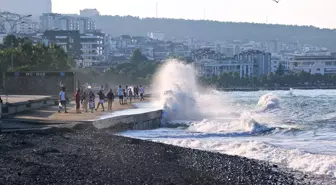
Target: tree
(280,71)
(138,57)
(28,56)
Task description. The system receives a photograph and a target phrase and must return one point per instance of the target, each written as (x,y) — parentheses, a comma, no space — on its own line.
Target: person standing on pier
(136,92)
(142,92)
(120,95)
(110,98)
(130,95)
(62,100)
(85,100)
(92,101)
(101,100)
(77,101)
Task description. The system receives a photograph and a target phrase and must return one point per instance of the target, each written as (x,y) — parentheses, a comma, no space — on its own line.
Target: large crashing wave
(175,85)
(182,98)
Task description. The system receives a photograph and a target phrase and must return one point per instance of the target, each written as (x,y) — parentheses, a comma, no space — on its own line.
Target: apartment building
(314,64)
(53,21)
(210,67)
(261,61)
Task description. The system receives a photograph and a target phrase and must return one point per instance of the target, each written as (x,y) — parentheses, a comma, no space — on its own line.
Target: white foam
(218,122)
(295,159)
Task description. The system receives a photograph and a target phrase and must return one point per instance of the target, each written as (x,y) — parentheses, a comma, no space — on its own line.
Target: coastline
(276,88)
(94,157)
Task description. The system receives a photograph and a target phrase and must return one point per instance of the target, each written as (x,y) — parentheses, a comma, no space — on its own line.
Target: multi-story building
(261,61)
(277,61)
(210,67)
(156,35)
(70,41)
(89,12)
(92,48)
(27,27)
(206,53)
(273,46)
(52,21)
(314,64)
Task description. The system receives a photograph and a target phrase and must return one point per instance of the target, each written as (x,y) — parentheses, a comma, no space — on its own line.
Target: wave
(268,101)
(292,158)
(182,98)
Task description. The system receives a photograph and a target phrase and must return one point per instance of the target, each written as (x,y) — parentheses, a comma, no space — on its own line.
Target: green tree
(137,56)
(280,71)
(28,56)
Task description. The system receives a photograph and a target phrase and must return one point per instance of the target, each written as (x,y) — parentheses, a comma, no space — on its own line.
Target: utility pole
(156,9)
(204,14)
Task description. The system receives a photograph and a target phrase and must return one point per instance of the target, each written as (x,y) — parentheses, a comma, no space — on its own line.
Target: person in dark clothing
(92,98)
(1,102)
(77,100)
(136,92)
(110,98)
(101,100)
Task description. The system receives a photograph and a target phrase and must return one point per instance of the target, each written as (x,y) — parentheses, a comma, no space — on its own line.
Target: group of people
(129,93)
(85,98)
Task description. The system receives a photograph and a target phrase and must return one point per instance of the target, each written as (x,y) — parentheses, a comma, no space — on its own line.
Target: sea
(295,129)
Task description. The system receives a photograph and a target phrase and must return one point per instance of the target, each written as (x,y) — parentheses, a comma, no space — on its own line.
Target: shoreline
(275,88)
(90,156)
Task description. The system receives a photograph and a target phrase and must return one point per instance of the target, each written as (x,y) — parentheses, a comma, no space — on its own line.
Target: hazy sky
(303,12)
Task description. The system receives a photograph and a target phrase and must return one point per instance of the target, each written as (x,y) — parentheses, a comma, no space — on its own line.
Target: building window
(310,70)
(318,69)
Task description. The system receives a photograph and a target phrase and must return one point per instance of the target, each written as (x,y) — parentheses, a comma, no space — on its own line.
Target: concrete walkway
(49,116)
(21,98)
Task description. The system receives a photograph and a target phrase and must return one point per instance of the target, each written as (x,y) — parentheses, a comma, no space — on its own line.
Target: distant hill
(215,30)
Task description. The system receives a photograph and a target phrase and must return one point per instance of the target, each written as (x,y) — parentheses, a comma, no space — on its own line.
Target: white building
(92,48)
(209,67)
(156,35)
(314,64)
(276,61)
(28,27)
(52,21)
(89,12)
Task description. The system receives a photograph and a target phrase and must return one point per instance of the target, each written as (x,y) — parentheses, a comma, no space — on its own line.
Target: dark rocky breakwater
(96,157)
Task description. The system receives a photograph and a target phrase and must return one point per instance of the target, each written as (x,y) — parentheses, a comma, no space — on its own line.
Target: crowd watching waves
(85,98)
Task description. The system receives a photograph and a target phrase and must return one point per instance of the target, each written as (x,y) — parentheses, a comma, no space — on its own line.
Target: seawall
(140,121)
(27,105)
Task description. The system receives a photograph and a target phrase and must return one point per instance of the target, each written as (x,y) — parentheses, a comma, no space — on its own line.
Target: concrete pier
(14,104)
(39,112)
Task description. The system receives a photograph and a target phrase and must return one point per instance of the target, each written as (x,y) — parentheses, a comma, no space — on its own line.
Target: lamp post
(12,19)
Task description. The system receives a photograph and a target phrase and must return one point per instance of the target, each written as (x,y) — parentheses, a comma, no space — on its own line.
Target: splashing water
(268,101)
(294,131)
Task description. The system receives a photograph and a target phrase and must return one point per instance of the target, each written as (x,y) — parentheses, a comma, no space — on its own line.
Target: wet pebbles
(91,157)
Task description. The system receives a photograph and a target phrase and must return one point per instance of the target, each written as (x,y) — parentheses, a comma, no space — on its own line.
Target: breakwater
(139,121)
(8,109)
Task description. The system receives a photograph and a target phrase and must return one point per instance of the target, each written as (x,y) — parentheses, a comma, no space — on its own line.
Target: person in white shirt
(62,100)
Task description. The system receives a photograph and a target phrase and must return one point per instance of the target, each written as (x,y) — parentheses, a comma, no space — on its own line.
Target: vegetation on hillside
(138,70)
(214,30)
